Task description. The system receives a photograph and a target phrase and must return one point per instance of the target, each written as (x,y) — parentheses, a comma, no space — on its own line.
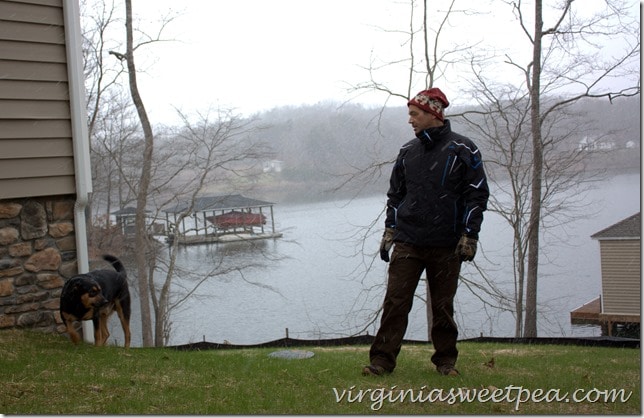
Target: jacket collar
(433,135)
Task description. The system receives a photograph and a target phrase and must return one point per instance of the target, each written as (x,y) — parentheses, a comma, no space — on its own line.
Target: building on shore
(618,307)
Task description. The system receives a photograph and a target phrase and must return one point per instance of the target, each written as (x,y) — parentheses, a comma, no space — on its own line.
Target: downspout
(80,139)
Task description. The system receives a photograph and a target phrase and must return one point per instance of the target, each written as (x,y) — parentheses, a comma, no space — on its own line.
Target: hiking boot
(373,370)
(447,370)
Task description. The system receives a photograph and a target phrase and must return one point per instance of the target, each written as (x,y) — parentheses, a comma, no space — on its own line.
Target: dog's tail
(116,263)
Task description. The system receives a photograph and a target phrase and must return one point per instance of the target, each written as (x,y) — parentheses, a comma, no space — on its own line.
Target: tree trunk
(141,237)
(430,315)
(520,281)
(530,328)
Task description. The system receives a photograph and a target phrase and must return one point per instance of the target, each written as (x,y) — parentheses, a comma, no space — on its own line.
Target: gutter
(80,139)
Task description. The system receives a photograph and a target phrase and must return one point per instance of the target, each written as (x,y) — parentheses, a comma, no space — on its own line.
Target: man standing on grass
(438,192)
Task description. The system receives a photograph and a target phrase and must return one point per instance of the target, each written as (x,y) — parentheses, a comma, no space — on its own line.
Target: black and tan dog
(96,295)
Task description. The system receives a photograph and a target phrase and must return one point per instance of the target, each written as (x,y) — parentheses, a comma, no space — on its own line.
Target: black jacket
(438,189)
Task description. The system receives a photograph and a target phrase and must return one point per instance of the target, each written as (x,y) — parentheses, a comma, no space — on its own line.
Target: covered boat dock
(224,218)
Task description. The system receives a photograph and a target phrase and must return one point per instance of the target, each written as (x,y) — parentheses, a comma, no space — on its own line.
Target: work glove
(466,248)
(386,243)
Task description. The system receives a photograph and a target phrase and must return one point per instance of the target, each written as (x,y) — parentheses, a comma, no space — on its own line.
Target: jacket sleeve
(476,192)
(397,190)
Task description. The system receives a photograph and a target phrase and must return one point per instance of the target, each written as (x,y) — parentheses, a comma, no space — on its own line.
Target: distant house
(631,144)
(221,218)
(620,300)
(587,144)
(45,180)
(272,166)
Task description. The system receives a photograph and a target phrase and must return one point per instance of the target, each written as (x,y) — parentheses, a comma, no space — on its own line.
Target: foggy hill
(318,147)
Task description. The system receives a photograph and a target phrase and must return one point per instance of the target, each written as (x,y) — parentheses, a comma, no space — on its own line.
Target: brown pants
(406,266)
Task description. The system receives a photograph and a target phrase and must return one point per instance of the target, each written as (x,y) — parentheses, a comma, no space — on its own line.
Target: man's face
(421,120)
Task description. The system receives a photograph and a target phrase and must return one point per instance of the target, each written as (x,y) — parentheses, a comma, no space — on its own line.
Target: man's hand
(466,248)
(386,243)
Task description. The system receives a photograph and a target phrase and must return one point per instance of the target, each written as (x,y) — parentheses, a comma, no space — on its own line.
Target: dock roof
(222,202)
(130,210)
(626,229)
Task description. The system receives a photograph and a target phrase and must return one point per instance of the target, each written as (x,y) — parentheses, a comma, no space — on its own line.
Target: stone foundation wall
(37,254)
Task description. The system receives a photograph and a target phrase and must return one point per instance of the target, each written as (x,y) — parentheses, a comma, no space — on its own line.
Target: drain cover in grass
(291,354)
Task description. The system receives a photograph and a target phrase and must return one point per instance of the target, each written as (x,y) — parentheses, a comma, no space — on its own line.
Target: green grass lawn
(46,374)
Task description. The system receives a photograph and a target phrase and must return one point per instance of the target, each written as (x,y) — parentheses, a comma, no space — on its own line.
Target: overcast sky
(253,55)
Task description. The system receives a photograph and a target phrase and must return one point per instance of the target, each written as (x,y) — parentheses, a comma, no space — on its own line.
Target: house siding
(40,113)
(621,276)
(36,148)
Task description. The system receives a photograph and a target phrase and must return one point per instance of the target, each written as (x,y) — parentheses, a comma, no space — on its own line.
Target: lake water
(323,279)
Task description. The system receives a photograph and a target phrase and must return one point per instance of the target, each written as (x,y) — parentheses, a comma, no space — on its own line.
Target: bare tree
(151,169)
(501,120)
(100,74)
(565,58)
(141,239)
(115,139)
(202,153)
(428,56)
